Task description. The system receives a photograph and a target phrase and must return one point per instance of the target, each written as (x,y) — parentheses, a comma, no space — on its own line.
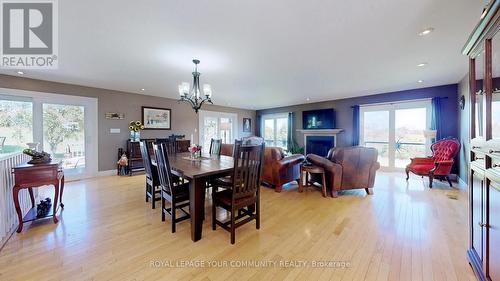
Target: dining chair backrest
(146,158)
(163,166)
(215,146)
(247,172)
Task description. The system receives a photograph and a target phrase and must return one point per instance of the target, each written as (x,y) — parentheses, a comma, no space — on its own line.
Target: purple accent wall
(344,111)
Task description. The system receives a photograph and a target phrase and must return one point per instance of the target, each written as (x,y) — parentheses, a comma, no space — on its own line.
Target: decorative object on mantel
(193,97)
(195,151)
(155,118)
(37,157)
(247,125)
(114,115)
(135,130)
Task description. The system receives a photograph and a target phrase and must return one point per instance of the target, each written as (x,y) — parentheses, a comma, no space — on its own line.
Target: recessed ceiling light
(308,99)
(426,31)
(20,72)
(420,81)
(422,64)
(143,89)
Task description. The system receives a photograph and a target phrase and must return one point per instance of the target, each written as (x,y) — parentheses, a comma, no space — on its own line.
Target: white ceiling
(261,54)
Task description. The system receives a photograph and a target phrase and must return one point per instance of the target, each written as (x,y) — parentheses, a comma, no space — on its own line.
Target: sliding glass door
(396,130)
(217,125)
(64,126)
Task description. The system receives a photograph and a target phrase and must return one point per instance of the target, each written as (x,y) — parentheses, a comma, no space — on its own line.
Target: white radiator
(8,216)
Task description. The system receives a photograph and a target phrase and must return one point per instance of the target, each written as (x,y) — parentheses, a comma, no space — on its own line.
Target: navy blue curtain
(436,117)
(258,126)
(355,125)
(289,137)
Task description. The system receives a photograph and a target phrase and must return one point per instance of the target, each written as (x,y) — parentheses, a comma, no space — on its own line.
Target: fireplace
(319,145)
(319,141)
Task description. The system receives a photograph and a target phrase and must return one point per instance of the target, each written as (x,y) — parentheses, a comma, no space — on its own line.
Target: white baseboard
(462,183)
(106,173)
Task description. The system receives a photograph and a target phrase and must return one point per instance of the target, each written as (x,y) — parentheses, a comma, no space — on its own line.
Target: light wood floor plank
(404,231)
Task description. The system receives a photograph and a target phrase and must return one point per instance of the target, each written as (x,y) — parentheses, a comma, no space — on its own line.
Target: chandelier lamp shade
(192,94)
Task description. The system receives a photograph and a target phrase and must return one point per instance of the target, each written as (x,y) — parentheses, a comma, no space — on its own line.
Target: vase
(135,136)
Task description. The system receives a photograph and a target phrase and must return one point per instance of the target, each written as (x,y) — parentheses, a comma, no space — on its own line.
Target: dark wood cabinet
(135,163)
(483,49)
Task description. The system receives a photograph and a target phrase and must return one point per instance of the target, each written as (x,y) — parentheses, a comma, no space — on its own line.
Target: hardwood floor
(107,232)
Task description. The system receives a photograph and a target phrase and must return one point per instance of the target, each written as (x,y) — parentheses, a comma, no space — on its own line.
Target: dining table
(198,171)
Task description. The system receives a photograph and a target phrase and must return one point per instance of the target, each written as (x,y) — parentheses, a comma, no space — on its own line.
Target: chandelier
(194,96)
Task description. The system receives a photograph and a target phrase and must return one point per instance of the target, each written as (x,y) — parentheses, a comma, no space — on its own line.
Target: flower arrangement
(135,128)
(195,150)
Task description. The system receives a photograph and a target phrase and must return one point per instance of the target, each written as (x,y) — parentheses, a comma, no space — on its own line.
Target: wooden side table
(310,169)
(27,176)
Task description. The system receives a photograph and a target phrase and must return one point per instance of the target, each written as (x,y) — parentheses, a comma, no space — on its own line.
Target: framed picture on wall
(155,118)
(247,125)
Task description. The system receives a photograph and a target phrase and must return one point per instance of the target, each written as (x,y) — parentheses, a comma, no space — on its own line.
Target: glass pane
(479,94)
(226,130)
(282,132)
(410,139)
(376,133)
(269,132)
(495,106)
(209,132)
(16,125)
(64,134)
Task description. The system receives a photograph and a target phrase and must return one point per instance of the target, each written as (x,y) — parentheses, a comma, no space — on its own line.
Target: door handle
(494,151)
(482,224)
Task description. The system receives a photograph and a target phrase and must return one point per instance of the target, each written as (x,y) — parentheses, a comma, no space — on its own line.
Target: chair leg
(172,211)
(232,226)
(257,214)
(431,178)
(153,197)
(335,194)
(407,173)
(214,215)
(449,181)
(162,208)
(147,197)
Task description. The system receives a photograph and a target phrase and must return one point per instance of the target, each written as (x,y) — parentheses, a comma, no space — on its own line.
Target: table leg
(323,188)
(61,192)
(301,181)
(196,206)
(32,197)
(56,200)
(15,194)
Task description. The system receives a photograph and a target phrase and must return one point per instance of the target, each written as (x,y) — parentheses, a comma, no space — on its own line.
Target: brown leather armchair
(278,169)
(348,168)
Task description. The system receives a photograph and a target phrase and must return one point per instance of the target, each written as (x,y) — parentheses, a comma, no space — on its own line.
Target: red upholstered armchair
(439,164)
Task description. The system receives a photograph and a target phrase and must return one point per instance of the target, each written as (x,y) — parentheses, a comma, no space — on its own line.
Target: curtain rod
(395,102)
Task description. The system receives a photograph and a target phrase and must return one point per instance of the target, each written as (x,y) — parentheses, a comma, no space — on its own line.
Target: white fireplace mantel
(319,132)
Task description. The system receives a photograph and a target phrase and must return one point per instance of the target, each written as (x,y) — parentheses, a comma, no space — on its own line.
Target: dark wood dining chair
(215,145)
(177,194)
(244,192)
(152,180)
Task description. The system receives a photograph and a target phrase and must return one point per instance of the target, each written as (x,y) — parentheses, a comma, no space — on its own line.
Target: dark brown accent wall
(184,120)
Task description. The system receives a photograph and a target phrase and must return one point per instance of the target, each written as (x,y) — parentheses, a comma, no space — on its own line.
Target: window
(16,124)
(396,131)
(217,125)
(63,126)
(275,130)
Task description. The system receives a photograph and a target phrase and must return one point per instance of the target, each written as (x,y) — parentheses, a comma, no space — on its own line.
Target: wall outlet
(114,130)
